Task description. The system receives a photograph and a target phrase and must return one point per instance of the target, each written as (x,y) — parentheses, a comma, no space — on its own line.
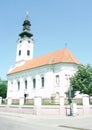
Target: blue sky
(54,23)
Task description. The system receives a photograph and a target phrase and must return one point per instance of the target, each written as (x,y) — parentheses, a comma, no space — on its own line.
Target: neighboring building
(46,76)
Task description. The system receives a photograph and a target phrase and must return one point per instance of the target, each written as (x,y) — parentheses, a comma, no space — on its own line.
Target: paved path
(38,122)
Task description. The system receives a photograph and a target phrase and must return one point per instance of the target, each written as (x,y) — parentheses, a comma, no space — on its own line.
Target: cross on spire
(27,15)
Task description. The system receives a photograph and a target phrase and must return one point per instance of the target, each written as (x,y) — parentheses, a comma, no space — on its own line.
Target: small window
(57,79)
(18,85)
(28,52)
(25,84)
(42,81)
(19,52)
(34,83)
(20,41)
(28,41)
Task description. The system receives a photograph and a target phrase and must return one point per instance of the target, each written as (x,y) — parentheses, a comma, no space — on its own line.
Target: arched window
(19,52)
(25,84)
(18,85)
(28,52)
(34,83)
(57,79)
(42,81)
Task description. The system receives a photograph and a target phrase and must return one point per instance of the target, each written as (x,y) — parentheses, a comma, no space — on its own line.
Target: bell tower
(24,44)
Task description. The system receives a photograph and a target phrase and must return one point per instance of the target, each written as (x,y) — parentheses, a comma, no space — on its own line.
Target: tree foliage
(3,89)
(82,80)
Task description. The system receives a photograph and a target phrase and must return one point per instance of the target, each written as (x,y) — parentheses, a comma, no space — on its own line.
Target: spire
(26,28)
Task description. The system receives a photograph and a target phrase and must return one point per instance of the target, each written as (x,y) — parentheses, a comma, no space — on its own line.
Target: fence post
(85,100)
(62,107)
(0,100)
(37,105)
(86,108)
(9,101)
(73,109)
(21,101)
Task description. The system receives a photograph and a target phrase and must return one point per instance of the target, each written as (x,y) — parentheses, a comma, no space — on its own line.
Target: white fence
(38,109)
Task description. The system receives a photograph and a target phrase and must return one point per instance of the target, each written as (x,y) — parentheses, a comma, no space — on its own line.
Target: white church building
(46,76)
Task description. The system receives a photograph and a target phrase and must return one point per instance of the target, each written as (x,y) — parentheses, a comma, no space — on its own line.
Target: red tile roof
(63,55)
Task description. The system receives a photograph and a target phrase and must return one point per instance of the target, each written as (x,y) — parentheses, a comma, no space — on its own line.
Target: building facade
(46,76)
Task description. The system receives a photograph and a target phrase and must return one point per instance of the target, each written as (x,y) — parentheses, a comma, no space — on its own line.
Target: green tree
(3,88)
(82,80)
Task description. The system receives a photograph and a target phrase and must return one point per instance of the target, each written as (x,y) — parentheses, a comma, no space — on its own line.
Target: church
(46,76)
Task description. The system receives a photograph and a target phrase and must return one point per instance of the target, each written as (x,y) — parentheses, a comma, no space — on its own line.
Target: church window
(28,52)
(20,41)
(18,85)
(19,52)
(57,79)
(34,83)
(42,81)
(28,41)
(25,84)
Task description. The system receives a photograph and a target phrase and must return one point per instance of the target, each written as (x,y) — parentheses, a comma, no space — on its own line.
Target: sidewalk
(52,122)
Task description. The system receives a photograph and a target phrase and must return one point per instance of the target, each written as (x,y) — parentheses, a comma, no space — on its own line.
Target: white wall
(24,45)
(63,70)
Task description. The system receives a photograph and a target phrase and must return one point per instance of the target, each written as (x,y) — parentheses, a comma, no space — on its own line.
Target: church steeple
(26,28)
(25,44)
